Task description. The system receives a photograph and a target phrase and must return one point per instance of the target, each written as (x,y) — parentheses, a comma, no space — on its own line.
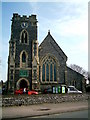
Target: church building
(36,66)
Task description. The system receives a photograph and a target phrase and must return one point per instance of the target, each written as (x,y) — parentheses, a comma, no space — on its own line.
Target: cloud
(74,27)
(71,20)
(33,7)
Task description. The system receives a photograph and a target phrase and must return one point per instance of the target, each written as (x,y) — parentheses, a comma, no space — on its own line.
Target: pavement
(17,112)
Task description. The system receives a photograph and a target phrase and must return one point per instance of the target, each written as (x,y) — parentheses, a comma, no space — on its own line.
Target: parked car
(20,91)
(72,89)
(29,92)
(32,92)
(47,90)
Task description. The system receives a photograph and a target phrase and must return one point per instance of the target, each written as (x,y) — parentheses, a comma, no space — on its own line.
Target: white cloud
(72,26)
(34,7)
(72,22)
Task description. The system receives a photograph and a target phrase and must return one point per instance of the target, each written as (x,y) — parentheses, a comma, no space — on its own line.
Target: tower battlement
(16,16)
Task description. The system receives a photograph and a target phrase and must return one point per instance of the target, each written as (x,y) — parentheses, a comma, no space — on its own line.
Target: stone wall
(18,100)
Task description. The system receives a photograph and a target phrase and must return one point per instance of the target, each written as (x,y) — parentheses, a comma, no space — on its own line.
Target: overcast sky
(67,22)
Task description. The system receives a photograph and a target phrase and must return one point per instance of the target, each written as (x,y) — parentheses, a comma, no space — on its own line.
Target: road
(46,109)
(75,114)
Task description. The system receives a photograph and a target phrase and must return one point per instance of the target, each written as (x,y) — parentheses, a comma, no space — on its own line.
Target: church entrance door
(23,84)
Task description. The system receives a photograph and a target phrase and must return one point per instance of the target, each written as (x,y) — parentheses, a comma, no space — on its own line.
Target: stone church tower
(23,61)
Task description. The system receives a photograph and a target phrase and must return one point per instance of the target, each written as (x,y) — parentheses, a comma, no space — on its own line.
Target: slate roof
(50,39)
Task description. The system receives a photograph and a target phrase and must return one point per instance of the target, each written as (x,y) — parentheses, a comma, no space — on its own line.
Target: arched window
(24,37)
(49,68)
(24,57)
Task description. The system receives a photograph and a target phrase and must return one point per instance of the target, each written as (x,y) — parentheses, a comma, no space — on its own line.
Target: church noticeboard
(23,73)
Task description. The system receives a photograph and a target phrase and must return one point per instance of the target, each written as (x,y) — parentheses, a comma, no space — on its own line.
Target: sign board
(23,73)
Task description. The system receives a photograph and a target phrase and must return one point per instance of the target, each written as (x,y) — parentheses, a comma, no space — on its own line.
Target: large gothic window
(24,37)
(49,68)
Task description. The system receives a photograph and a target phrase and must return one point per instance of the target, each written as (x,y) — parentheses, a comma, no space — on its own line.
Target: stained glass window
(49,73)
(54,72)
(43,73)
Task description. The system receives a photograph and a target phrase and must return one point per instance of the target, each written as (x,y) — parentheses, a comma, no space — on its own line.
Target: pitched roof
(50,39)
(68,68)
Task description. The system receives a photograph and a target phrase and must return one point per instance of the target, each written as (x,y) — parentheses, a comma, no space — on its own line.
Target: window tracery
(24,37)
(49,68)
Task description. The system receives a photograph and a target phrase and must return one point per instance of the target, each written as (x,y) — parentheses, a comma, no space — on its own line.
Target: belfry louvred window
(24,37)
